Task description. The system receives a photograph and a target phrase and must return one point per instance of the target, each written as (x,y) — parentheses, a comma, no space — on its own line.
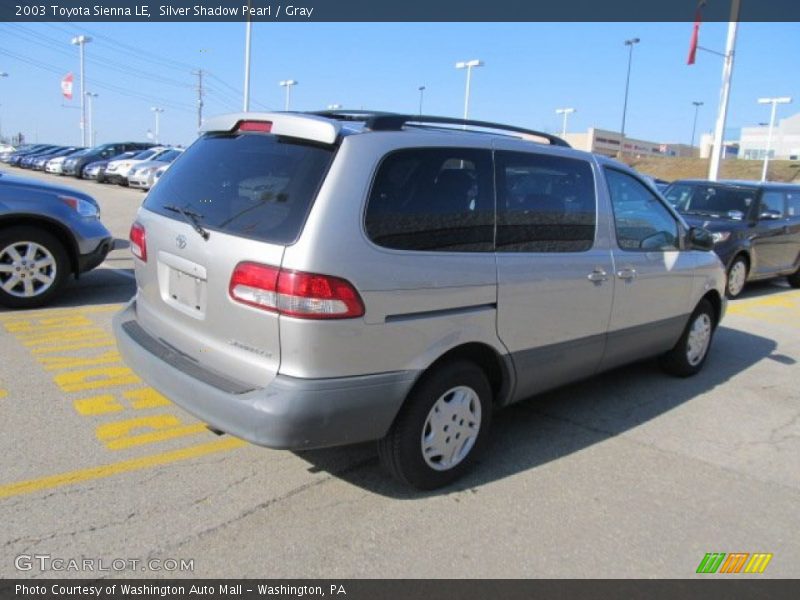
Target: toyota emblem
(180,242)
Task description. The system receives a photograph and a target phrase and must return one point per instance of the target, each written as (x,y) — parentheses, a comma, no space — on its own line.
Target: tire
(689,354)
(459,393)
(23,286)
(794,279)
(737,276)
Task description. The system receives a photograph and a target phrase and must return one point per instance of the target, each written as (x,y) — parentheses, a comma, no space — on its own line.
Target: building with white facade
(785,143)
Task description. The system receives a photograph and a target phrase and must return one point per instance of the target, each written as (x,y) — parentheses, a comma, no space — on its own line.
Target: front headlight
(720,236)
(82,207)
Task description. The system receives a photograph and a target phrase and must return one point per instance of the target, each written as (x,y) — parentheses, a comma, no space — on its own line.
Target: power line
(97,83)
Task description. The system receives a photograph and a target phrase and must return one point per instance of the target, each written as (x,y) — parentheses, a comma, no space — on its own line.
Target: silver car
(313,280)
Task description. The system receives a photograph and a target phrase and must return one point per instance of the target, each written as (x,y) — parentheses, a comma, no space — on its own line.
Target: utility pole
(200,94)
(247,35)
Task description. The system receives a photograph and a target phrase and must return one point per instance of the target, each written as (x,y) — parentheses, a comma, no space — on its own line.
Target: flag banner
(66,86)
(698,16)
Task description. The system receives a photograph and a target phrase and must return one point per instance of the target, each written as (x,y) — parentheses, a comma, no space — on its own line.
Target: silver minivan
(312,280)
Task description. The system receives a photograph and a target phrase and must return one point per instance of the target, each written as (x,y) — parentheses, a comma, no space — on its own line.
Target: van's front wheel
(441,428)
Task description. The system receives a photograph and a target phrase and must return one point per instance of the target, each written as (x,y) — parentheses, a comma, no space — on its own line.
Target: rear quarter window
(433,199)
(252,185)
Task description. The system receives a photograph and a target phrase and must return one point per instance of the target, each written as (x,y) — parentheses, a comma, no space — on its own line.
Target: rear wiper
(191,217)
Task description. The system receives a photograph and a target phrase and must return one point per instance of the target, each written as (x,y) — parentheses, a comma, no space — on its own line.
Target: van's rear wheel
(691,351)
(441,429)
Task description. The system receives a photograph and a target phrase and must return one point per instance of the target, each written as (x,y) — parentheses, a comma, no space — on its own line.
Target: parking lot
(630,474)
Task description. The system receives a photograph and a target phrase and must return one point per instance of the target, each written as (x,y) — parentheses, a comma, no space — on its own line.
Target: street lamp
(287,83)
(566,112)
(421,93)
(157,112)
(774,102)
(630,43)
(468,65)
(697,106)
(81,41)
(90,96)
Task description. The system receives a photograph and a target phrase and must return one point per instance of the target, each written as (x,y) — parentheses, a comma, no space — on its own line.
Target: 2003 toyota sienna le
(312,280)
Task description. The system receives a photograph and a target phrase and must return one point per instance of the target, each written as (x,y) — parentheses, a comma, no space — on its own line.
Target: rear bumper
(87,262)
(289,413)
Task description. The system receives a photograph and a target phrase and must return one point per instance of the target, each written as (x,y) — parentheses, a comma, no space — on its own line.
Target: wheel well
(59,231)
(487,359)
(715,300)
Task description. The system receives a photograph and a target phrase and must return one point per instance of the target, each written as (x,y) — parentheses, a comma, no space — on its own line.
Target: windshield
(711,200)
(254,185)
(168,156)
(146,154)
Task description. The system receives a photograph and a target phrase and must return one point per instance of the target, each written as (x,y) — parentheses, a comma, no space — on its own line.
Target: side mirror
(770,215)
(700,239)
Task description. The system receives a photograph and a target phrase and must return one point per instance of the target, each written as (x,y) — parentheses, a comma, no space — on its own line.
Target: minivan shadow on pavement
(558,423)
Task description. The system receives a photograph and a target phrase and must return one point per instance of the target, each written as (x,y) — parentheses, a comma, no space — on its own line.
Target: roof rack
(387,121)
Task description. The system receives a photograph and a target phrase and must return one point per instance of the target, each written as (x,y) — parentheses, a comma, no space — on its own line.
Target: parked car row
(107,163)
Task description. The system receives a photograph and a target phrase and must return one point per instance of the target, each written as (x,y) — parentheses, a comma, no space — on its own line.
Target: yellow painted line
(136,464)
(59,312)
(3,393)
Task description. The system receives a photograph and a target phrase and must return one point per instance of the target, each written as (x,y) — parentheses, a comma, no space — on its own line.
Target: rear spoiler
(303,126)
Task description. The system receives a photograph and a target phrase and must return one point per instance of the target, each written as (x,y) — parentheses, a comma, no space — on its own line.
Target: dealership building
(610,143)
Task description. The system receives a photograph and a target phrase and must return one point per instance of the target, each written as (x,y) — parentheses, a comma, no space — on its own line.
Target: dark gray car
(47,232)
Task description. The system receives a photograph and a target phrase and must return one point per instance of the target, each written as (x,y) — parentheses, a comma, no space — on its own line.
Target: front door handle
(626,274)
(597,276)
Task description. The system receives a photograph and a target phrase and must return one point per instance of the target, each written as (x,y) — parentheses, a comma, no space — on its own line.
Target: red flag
(66,86)
(698,14)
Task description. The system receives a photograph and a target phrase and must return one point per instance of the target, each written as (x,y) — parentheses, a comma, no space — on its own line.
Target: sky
(530,70)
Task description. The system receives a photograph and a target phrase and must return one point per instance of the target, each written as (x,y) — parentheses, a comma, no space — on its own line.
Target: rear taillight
(294,293)
(138,242)
(259,126)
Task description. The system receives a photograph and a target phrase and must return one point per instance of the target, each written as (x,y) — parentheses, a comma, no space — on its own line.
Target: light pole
(468,65)
(630,43)
(157,112)
(81,41)
(90,96)
(774,102)
(2,75)
(697,106)
(287,83)
(421,94)
(566,112)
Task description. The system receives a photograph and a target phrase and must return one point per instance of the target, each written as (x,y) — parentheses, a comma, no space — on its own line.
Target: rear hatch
(239,194)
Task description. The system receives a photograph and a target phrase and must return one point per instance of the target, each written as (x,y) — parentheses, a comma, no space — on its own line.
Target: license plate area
(186,291)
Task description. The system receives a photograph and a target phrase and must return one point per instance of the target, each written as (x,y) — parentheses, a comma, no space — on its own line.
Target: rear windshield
(253,185)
